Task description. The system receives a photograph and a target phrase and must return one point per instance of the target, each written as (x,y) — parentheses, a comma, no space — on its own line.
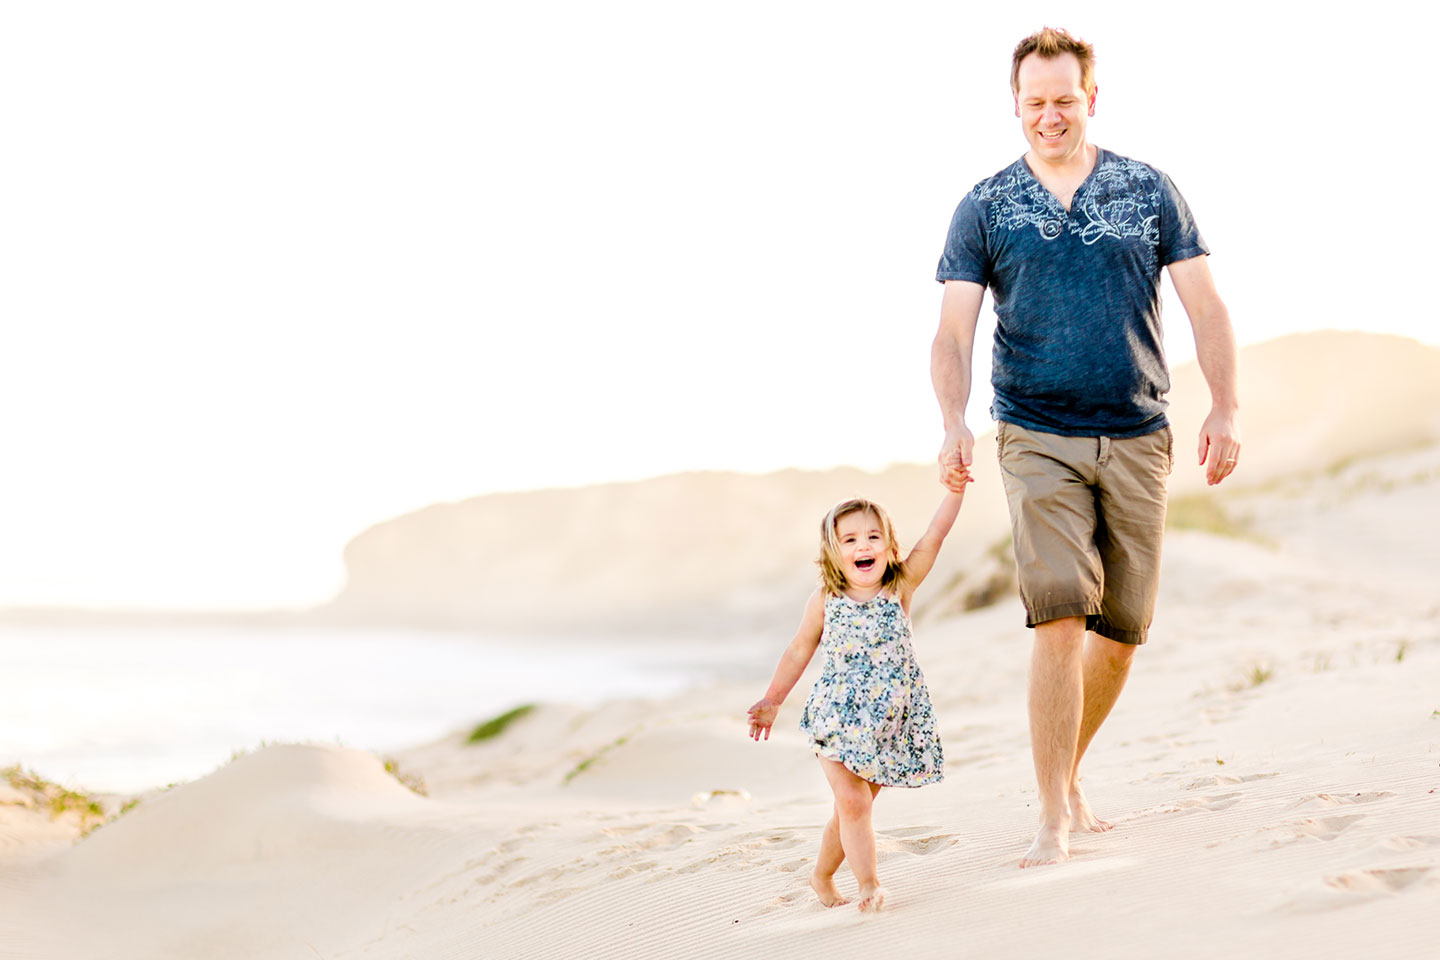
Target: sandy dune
(1273,772)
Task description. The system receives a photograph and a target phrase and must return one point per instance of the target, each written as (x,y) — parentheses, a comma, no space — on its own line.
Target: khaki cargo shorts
(1088,515)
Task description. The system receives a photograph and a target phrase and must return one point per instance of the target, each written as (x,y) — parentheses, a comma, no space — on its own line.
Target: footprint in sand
(1329,800)
(1225,780)
(1325,828)
(630,869)
(1409,843)
(1390,880)
(1221,802)
(909,841)
(1361,886)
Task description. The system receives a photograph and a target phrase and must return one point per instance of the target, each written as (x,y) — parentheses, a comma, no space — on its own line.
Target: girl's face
(864,551)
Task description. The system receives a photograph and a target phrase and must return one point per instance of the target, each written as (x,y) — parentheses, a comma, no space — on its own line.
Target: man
(1070,239)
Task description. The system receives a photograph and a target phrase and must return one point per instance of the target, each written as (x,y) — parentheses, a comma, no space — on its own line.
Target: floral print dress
(870,709)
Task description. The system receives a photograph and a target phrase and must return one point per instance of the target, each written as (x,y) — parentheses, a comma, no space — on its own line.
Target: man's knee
(1113,652)
(1062,631)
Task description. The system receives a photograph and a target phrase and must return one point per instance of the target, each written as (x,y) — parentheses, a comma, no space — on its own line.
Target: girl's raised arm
(792,664)
(927,548)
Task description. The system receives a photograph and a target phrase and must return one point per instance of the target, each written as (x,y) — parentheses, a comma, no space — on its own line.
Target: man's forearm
(951,352)
(1216,353)
(950,375)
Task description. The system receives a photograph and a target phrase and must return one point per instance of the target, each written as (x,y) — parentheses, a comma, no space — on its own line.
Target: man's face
(1053,106)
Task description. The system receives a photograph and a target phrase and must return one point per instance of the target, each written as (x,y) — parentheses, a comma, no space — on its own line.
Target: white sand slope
(1308,401)
(1273,772)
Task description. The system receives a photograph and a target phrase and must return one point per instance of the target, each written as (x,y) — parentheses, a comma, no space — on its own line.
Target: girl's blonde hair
(832,576)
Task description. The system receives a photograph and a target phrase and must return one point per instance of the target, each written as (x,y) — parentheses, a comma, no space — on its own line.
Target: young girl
(868,718)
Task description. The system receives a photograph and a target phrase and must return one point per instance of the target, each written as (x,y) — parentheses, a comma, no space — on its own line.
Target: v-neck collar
(1099,159)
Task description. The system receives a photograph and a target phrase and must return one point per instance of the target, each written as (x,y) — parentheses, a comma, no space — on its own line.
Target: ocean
(125,710)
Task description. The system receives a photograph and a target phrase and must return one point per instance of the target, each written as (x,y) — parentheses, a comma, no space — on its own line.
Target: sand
(1272,770)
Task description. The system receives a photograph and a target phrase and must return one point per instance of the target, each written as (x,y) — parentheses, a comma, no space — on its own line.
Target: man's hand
(1219,445)
(762,717)
(956,455)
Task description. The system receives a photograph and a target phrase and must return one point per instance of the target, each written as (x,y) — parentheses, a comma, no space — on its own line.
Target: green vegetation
(496,725)
(1258,674)
(414,781)
(57,799)
(1400,651)
(1203,512)
(585,764)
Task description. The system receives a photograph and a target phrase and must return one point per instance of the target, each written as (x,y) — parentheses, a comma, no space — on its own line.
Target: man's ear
(1092,96)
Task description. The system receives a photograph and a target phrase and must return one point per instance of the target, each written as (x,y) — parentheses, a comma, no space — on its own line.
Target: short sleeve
(965,256)
(1179,236)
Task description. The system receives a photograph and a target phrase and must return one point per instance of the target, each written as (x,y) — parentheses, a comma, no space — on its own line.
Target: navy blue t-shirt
(1078,346)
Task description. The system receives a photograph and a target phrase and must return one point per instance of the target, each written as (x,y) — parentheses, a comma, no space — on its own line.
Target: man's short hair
(1050,43)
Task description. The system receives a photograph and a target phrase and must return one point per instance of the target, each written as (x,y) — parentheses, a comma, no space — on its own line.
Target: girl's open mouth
(866,563)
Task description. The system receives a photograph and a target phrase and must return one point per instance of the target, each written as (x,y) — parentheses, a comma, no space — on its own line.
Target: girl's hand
(762,717)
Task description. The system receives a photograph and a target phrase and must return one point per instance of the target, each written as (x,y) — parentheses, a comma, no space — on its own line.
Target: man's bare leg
(1056,694)
(1107,666)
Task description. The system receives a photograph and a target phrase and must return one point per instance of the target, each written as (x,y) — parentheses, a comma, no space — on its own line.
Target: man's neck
(1062,179)
(1075,167)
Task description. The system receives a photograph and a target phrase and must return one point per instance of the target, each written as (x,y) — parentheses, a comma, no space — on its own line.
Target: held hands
(956,455)
(762,717)
(1219,445)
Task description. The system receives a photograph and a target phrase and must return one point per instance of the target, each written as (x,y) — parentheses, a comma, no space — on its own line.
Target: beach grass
(589,761)
(414,781)
(496,725)
(1203,512)
(52,796)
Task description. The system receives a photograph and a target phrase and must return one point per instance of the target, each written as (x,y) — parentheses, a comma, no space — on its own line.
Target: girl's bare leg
(854,799)
(832,854)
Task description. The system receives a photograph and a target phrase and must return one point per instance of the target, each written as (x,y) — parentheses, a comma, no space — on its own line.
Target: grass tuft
(585,764)
(414,781)
(1204,513)
(58,800)
(496,725)
(1258,674)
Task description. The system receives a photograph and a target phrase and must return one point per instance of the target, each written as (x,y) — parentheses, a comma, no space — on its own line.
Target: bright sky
(276,271)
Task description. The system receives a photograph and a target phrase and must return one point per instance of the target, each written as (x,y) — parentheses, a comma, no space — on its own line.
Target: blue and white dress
(870,709)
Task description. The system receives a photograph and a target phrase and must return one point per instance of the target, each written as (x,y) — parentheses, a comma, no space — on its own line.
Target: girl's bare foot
(872,898)
(826,890)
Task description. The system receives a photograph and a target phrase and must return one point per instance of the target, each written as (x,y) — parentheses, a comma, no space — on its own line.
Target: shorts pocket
(1169,450)
(1000,440)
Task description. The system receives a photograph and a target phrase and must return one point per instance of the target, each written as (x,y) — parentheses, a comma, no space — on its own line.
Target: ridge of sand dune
(282,801)
(1273,773)
(1308,402)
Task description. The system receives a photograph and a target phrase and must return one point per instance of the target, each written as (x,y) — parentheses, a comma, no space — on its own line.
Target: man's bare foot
(1052,845)
(872,898)
(826,890)
(1081,817)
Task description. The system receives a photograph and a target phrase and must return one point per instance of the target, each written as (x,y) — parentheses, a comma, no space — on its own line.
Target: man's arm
(1215,349)
(950,359)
